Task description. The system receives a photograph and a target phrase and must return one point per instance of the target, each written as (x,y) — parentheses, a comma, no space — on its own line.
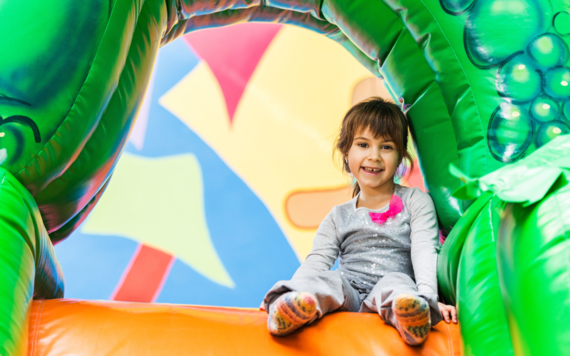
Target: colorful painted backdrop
(228,171)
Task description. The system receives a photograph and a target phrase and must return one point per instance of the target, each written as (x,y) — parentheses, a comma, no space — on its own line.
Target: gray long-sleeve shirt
(407,243)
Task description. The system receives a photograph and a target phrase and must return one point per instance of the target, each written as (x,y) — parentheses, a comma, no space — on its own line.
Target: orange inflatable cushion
(66,327)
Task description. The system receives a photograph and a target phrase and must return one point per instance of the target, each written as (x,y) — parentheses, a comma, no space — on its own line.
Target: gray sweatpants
(334,293)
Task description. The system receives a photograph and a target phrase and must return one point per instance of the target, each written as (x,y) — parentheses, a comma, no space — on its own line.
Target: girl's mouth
(373,171)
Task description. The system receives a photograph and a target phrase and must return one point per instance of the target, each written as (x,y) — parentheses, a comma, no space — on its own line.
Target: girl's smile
(373,163)
(372,170)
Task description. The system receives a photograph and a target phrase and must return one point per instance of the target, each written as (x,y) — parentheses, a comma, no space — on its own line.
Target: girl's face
(373,161)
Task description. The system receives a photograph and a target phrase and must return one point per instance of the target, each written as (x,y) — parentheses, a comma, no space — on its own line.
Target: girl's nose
(375,155)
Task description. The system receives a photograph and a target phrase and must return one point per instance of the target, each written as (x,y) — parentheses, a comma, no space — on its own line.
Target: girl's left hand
(448,312)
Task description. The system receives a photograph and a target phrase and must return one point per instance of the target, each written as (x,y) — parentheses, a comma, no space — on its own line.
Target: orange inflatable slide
(73,327)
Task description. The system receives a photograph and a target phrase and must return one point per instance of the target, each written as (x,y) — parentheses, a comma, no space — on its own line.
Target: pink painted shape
(164,278)
(416,178)
(232,53)
(125,272)
(145,275)
(396,206)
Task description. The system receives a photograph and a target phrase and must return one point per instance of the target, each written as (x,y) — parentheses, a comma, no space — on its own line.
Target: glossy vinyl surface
(489,35)
(48,65)
(452,250)
(96,161)
(412,67)
(446,69)
(513,257)
(519,78)
(27,260)
(510,132)
(532,254)
(63,327)
(478,291)
(548,50)
(79,72)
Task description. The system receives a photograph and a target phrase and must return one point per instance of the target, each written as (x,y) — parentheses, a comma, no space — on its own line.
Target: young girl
(387,237)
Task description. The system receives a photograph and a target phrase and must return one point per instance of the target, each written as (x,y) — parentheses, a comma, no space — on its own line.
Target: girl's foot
(290,311)
(413,318)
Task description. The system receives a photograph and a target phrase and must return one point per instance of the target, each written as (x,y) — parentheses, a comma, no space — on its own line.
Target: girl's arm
(425,240)
(325,249)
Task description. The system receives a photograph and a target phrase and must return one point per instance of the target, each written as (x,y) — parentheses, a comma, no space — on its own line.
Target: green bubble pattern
(533,81)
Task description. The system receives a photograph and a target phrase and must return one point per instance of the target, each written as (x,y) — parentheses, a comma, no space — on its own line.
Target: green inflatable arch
(484,82)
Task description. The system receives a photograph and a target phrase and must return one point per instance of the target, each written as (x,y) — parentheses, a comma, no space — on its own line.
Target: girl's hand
(448,312)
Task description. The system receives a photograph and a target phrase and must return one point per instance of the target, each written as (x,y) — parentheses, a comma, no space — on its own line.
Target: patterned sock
(413,318)
(290,311)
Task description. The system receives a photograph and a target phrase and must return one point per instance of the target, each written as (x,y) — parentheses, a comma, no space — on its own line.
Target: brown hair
(384,119)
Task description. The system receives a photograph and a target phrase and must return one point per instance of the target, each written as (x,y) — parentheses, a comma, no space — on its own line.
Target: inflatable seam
(316,10)
(251,14)
(418,92)
(3,172)
(55,238)
(102,120)
(182,16)
(25,236)
(364,40)
(423,93)
(391,46)
(72,159)
(320,10)
(37,327)
(566,227)
(35,246)
(483,131)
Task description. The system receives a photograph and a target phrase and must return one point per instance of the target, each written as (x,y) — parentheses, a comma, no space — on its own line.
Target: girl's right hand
(448,312)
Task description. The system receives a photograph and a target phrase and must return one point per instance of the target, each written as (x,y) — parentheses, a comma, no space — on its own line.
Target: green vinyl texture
(480,304)
(485,84)
(468,278)
(445,62)
(451,251)
(27,261)
(533,256)
(505,263)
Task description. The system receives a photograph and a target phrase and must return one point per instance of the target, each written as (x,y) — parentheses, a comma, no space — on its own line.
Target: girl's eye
(386,147)
(362,144)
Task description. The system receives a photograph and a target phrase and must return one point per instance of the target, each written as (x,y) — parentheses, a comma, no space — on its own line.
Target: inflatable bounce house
(135,134)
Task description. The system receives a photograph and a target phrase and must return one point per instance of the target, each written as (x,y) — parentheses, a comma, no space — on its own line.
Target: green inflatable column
(534,263)
(468,276)
(511,280)
(480,305)
(452,250)
(27,261)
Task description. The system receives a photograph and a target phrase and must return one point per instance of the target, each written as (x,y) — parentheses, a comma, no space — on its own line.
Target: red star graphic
(232,53)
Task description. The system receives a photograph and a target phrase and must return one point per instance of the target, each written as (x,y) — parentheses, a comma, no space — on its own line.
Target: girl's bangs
(387,127)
